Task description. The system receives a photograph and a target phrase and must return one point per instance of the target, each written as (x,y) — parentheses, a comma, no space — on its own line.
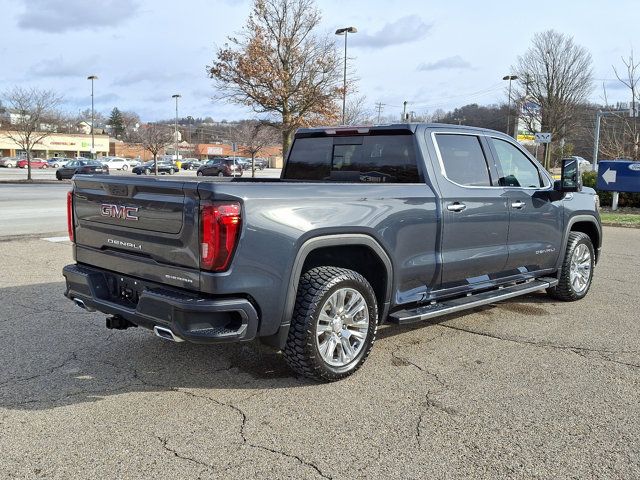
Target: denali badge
(118,211)
(120,243)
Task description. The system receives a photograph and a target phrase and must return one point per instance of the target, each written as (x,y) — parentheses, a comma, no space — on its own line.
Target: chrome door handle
(518,204)
(456,207)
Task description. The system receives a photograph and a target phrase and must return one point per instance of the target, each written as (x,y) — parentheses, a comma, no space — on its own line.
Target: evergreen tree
(117,122)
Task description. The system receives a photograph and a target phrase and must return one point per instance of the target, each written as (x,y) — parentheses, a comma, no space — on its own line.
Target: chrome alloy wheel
(342,327)
(580,272)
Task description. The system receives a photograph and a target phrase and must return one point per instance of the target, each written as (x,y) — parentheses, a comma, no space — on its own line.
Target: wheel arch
(587,224)
(340,250)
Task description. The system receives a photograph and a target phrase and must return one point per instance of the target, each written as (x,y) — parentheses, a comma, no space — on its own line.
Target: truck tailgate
(143,227)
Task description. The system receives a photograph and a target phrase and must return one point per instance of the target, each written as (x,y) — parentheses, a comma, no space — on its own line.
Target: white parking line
(56,239)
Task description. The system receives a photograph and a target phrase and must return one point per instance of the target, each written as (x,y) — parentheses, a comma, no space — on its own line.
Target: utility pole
(404,111)
(379,107)
(510,78)
(176,96)
(345,31)
(93,145)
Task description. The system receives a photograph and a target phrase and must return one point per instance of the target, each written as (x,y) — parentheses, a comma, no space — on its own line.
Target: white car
(584,165)
(117,163)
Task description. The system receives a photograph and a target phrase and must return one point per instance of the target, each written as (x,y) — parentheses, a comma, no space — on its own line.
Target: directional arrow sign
(618,176)
(609,176)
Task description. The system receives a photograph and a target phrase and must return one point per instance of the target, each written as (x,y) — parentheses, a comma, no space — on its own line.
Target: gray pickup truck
(394,223)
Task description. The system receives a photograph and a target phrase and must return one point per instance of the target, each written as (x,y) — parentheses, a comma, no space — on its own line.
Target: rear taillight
(70,215)
(219,231)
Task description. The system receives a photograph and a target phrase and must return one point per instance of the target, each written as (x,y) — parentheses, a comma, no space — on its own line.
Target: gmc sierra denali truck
(395,223)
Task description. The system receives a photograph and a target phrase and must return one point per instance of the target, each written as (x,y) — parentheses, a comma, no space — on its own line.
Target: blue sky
(433,54)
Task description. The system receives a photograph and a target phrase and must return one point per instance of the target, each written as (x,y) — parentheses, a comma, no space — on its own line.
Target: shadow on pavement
(60,355)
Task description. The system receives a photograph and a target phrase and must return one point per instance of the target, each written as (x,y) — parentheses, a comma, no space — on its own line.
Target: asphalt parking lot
(531,388)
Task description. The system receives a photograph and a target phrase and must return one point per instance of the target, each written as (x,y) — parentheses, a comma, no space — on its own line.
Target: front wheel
(577,269)
(147,171)
(125,167)
(334,324)
(58,176)
(171,171)
(220,174)
(200,174)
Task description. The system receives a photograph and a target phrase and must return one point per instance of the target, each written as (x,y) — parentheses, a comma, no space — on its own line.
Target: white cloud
(404,30)
(448,63)
(58,16)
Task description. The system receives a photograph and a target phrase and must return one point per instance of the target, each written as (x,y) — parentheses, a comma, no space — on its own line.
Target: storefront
(57,145)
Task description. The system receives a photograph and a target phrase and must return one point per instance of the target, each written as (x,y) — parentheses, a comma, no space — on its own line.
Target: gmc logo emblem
(118,211)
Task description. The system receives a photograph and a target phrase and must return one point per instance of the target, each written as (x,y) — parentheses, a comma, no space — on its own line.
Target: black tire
(171,171)
(125,167)
(301,351)
(58,176)
(220,174)
(200,174)
(565,290)
(147,171)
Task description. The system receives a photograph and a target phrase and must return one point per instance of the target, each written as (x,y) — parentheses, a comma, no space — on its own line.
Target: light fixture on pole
(93,145)
(176,96)
(345,31)
(509,77)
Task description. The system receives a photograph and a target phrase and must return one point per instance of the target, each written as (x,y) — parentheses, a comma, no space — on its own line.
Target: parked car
(261,163)
(147,168)
(116,163)
(35,163)
(9,162)
(365,226)
(81,167)
(225,167)
(57,162)
(244,163)
(191,164)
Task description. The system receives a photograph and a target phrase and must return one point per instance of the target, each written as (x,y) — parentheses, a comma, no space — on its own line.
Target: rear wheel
(125,167)
(171,171)
(58,176)
(44,166)
(200,174)
(147,171)
(577,269)
(220,174)
(334,324)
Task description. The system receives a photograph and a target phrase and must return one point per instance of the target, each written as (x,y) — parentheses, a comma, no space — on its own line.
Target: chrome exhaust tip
(166,334)
(82,305)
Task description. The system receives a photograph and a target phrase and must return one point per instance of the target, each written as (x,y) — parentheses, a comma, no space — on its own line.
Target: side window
(516,170)
(463,160)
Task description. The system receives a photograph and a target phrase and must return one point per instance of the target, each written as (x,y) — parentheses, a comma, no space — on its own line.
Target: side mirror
(570,178)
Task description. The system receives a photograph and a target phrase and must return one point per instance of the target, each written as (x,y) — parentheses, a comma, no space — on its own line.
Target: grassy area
(623,219)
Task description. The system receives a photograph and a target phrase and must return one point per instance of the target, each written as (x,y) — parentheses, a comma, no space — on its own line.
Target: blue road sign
(619,176)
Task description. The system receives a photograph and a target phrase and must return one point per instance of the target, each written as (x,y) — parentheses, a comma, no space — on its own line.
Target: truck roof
(389,129)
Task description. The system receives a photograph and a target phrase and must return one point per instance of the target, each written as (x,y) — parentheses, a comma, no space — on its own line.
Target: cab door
(475,213)
(535,214)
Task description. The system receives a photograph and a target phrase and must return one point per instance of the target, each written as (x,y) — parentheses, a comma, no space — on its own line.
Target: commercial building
(57,145)
(212,150)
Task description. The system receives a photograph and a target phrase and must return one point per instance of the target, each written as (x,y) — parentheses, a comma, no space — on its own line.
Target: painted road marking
(56,239)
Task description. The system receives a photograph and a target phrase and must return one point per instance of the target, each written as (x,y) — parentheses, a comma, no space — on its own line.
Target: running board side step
(425,312)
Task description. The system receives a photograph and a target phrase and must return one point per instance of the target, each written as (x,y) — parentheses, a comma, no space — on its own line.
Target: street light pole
(509,77)
(345,31)
(93,145)
(176,96)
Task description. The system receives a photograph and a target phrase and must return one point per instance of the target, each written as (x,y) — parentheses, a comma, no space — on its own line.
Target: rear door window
(463,159)
(360,159)
(515,169)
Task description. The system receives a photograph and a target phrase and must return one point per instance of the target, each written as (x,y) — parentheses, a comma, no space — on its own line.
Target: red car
(35,163)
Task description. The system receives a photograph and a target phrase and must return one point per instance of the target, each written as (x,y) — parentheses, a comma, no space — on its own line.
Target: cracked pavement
(530,388)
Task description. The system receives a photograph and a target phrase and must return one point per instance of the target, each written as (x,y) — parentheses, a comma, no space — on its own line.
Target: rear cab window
(354,158)
(462,159)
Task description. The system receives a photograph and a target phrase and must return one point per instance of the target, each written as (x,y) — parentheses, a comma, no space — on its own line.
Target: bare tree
(356,112)
(154,138)
(556,74)
(35,111)
(280,65)
(131,123)
(620,132)
(253,138)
